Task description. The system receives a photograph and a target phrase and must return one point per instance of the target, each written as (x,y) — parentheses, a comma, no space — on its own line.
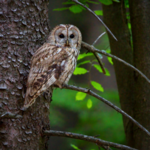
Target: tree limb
(88,91)
(98,38)
(93,50)
(96,54)
(76,1)
(86,138)
(99,61)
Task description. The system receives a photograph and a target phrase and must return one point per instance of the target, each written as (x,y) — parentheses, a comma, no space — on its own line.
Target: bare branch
(88,91)
(93,49)
(9,115)
(86,138)
(98,38)
(99,61)
(97,56)
(76,1)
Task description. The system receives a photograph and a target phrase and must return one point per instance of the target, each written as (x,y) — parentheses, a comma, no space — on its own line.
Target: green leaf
(89,103)
(75,147)
(79,70)
(110,60)
(60,9)
(81,56)
(76,8)
(108,51)
(107,72)
(98,68)
(84,62)
(99,12)
(97,86)
(80,96)
(129,25)
(106,2)
(126,2)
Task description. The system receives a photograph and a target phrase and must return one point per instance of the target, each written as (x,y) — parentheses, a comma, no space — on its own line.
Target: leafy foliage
(98,67)
(110,60)
(106,2)
(75,147)
(107,72)
(76,8)
(97,86)
(99,12)
(81,56)
(79,71)
(83,62)
(60,9)
(89,103)
(80,95)
(98,120)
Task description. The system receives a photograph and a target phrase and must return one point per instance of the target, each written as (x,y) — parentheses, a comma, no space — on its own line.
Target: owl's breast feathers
(50,65)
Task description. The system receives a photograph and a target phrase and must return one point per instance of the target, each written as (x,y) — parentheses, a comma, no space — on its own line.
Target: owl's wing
(45,70)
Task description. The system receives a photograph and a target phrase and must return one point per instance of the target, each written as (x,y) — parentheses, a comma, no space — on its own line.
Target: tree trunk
(140,23)
(133,89)
(23,28)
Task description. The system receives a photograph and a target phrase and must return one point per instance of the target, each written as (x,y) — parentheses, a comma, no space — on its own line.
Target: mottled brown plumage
(54,62)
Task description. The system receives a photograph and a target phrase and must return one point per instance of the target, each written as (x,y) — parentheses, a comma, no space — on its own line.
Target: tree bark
(23,29)
(115,19)
(140,23)
(133,90)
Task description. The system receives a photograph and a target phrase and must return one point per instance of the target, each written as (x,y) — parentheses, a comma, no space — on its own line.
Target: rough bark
(140,22)
(115,19)
(23,28)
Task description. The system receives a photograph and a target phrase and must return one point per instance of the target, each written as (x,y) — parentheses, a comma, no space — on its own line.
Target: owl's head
(66,36)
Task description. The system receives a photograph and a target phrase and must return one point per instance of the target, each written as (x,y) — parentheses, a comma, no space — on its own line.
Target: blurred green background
(89,117)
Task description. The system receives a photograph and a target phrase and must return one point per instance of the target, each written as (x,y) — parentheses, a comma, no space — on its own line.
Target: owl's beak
(67,43)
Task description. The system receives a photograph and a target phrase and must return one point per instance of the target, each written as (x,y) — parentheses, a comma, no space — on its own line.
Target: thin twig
(97,56)
(86,138)
(93,49)
(76,1)
(100,62)
(98,38)
(9,115)
(88,91)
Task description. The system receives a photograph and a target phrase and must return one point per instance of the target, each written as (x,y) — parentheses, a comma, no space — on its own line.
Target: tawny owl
(54,62)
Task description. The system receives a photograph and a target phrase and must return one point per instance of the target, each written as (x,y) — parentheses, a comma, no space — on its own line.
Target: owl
(54,62)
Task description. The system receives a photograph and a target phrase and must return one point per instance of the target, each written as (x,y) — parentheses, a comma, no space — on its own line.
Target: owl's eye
(61,36)
(72,36)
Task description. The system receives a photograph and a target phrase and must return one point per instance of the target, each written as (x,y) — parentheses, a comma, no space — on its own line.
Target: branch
(76,1)
(99,61)
(88,91)
(9,115)
(98,38)
(97,56)
(93,50)
(86,138)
